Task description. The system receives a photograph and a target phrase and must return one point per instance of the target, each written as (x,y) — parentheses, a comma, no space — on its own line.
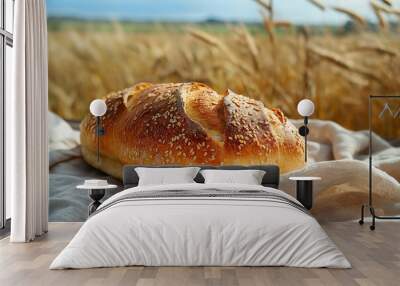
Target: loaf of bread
(189,124)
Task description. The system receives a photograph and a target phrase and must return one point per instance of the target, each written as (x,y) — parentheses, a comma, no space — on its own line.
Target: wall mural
(204,82)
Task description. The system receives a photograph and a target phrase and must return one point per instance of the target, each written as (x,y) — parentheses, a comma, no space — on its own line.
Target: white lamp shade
(305,107)
(98,107)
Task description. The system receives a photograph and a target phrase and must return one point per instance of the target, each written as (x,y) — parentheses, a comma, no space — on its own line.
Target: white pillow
(248,177)
(166,176)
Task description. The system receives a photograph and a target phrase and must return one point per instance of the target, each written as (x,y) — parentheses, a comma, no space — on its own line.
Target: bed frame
(271,178)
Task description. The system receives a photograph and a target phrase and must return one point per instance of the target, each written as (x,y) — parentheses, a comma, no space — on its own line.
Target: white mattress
(194,231)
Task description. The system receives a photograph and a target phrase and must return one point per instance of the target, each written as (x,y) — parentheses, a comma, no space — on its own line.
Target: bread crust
(189,124)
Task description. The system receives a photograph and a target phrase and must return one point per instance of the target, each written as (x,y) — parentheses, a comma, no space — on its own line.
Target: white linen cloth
(61,134)
(26,117)
(200,231)
(340,157)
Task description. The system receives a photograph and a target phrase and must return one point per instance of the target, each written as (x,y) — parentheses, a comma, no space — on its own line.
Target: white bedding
(200,231)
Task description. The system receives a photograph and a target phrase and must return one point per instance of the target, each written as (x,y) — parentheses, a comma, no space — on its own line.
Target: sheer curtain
(26,124)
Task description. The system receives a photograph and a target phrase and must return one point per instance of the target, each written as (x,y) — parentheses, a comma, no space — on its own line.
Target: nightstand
(304,190)
(96,193)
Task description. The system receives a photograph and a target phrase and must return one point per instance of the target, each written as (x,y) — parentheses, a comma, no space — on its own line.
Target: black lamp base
(99,132)
(304,193)
(303,131)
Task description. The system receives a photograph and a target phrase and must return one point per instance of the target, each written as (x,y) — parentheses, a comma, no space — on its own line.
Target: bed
(198,224)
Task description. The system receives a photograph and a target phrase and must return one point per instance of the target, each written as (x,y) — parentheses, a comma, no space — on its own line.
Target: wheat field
(279,67)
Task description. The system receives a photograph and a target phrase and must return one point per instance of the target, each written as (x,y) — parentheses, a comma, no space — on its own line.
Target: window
(6,61)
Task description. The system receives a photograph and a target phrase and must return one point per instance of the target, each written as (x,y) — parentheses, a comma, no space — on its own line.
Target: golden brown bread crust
(189,124)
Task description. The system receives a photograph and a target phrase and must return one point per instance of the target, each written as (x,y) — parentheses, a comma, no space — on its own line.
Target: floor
(375,257)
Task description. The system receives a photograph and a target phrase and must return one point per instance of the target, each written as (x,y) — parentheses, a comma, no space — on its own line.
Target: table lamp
(305,109)
(98,108)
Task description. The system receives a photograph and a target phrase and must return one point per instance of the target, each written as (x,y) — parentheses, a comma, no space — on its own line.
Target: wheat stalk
(388,2)
(207,38)
(317,3)
(353,15)
(215,42)
(339,61)
(379,9)
(376,49)
(251,46)
(267,5)
(396,11)
(269,28)
(268,17)
(381,19)
(380,6)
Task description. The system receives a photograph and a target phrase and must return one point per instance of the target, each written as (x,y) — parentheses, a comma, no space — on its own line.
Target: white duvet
(200,231)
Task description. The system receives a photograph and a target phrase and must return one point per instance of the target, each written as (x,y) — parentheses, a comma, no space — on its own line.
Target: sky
(296,11)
